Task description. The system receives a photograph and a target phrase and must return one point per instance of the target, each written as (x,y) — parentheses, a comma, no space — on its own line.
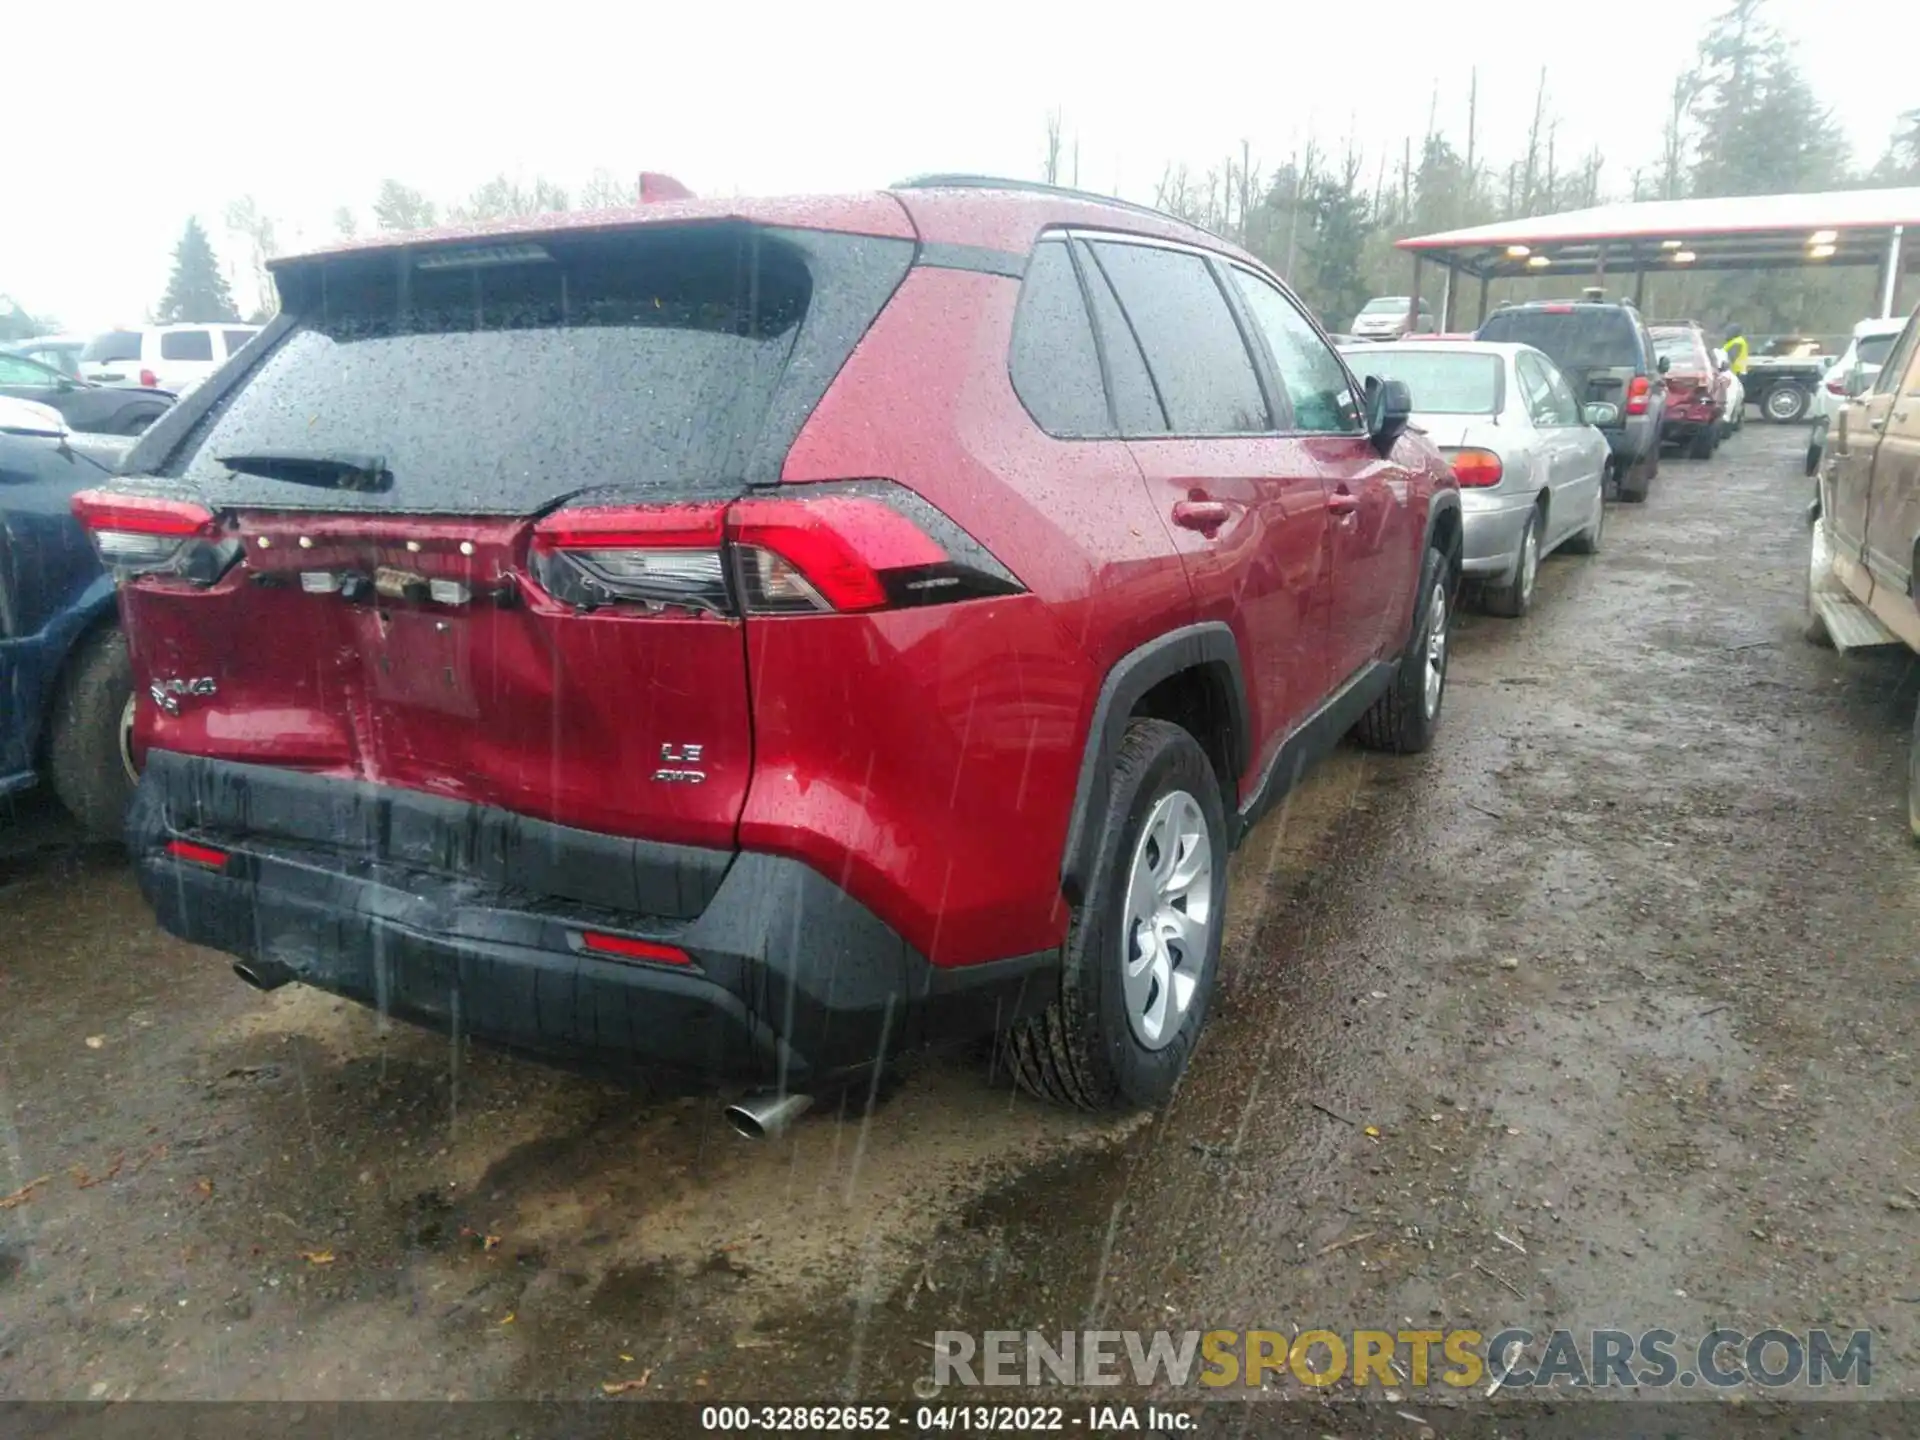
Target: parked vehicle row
(580,724)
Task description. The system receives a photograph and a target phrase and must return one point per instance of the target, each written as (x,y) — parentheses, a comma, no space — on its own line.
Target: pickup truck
(1784,374)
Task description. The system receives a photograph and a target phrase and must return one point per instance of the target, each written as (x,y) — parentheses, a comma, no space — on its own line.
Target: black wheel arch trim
(1209,644)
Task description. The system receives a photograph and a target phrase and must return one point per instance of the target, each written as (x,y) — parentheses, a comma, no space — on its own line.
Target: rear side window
(1887,382)
(1874,349)
(186,345)
(1135,402)
(112,347)
(1588,338)
(1055,368)
(236,338)
(1191,341)
(668,362)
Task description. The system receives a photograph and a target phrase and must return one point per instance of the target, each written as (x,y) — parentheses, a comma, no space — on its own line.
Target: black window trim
(1256,353)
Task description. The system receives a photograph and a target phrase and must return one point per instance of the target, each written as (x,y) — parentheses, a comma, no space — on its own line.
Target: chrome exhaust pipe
(761,1117)
(262,974)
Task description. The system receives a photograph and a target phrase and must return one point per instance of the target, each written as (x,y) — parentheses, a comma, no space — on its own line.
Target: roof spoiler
(655,187)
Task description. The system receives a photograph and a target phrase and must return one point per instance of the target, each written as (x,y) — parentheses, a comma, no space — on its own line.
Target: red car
(752,636)
(1697,392)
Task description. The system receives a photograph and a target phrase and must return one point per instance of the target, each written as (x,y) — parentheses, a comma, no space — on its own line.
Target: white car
(1532,468)
(1852,374)
(1388,317)
(162,357)
(1736,415)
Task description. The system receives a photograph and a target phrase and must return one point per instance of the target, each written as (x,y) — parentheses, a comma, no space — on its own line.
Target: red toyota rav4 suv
(754,636)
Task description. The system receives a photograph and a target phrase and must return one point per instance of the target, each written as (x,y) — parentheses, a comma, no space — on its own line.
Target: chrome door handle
(1879,422)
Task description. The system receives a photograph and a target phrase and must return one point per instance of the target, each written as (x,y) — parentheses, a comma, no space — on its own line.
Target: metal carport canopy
(1732,232)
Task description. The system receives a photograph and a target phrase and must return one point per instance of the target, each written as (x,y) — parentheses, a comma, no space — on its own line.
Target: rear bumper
(1491,528)
(464,918)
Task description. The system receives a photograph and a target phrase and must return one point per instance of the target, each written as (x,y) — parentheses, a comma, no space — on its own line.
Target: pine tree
(1901,164)
(401,207)
(1761,130)
(196,291)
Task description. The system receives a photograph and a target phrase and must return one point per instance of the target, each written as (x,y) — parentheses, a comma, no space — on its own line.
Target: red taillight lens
(149,379)
(1475,469)
(146,535)
(1638,389)
(863,545)
(629,947)
(203,855)
(1837,387)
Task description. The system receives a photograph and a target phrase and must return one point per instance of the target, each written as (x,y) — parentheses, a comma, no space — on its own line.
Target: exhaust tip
(761,1117)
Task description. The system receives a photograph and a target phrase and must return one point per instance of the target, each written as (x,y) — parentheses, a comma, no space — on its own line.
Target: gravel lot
(1624,971)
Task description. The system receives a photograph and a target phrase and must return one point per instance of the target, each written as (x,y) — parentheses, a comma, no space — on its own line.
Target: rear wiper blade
(334,469)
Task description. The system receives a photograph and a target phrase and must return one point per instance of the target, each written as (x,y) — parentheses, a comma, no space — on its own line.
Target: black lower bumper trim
(792,980)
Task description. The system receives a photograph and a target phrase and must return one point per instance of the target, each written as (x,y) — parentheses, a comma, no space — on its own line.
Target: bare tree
(605,191)
(1050,169)
(345,224)
(254,229)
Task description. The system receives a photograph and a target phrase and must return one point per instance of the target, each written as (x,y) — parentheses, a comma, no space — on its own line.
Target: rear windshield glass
(1585,339)
(113,346)
(1386,305)
(1442,383)
(1874,349)
(501,377)
(1680,347)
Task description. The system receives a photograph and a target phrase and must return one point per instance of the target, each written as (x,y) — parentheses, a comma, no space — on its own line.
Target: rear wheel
(1515,598)
(1586,541)
(1786,403)
(1913,778)
(134,424)
(1636,479)
(1144,948)
(89,747)
(1701,446)
(1405,719)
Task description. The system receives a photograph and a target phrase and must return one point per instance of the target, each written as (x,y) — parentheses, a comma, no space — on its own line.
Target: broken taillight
(818,548)
(143,535)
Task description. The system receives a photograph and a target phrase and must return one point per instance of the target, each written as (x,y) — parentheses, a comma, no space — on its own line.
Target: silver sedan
(1531,465)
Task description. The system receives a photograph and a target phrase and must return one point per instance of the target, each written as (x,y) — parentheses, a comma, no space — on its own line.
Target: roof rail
(962,181)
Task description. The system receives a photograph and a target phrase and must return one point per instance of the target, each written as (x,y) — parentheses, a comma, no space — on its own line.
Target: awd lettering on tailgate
(676,762)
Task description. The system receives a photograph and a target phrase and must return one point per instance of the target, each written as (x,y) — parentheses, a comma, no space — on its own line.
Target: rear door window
(186,345)
(498,379)
(113,347)
(1055,367)
(1192,344)
(1589,338)
(235,339)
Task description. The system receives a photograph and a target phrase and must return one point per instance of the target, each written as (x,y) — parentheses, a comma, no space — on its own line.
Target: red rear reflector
(629,948)
(103,510)
(1476,469)
(617,527)
(197,854)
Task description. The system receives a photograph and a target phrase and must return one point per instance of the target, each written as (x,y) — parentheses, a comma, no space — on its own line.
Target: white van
(162,357)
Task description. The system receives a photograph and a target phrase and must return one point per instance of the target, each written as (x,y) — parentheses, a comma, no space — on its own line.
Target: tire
(1634,490)
(1095,1047)
(1702,445)
(1404,720)
(89,755)
(135,423)
(1913,778)
(1817,445)
(1587,540)
(1787,403)
(1819,571)
(1514,599)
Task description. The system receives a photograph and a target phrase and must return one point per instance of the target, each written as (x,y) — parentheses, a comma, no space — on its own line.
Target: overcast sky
(172,109)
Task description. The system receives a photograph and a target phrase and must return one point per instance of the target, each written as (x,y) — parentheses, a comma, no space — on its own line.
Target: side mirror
(1665,364)
(1601,413)
(1389,407)
(1857,382)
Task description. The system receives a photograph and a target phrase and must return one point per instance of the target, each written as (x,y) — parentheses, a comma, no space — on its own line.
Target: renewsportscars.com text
(1416,1359)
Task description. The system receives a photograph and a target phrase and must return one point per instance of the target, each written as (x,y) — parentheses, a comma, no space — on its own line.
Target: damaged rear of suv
(662,641)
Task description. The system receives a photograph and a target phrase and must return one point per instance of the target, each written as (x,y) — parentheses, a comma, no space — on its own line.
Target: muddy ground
(1623,972)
